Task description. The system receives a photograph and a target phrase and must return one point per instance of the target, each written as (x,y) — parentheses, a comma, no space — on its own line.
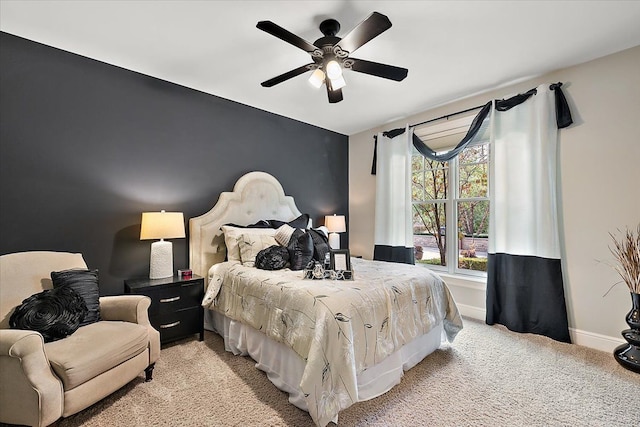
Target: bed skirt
(284,367)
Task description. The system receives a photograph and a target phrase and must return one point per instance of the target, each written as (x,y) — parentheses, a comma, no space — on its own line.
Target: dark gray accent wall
(86,147)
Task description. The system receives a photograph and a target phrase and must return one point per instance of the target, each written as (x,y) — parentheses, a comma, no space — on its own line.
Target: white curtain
(525,291)
(393,216)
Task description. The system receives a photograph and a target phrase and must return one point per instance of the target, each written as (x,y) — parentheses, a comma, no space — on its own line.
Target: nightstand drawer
(175,308)
(175,297)
(179,324)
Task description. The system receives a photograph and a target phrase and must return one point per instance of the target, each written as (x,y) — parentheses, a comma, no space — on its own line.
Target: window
(451,201)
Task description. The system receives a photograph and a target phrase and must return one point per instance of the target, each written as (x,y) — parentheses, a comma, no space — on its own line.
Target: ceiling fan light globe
(317,78)
(338,83)
(334,70)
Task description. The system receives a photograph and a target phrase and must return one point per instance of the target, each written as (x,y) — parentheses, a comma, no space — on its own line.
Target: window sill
(477,283)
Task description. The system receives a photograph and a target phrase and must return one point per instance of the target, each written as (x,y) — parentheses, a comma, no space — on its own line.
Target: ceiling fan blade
(379,70)
(282,34)
(371,27)
(334,95)
(286,76)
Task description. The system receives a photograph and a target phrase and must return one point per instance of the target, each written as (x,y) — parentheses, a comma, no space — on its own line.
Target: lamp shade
(162,225)
(335,223)
(334,70)
(317,78)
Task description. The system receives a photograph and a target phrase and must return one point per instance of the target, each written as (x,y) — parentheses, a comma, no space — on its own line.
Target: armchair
(41,382)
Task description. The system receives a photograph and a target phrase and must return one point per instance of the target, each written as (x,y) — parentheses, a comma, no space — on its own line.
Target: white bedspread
(340,328)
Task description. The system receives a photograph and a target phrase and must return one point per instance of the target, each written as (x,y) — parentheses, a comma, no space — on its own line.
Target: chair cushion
(94,349)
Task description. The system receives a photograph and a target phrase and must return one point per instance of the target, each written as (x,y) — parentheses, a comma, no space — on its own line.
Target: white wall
(599,189)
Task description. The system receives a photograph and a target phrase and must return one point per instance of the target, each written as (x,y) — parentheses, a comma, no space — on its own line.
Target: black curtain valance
(563,119)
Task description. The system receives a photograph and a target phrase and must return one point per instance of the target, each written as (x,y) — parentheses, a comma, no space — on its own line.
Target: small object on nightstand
(185,274)
(176,309)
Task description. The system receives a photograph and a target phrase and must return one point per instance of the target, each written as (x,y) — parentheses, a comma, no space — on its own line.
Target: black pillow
(260,224)
(272,258)
(301,222)
(320,244)
(55,313)
(300,249)
(85,283)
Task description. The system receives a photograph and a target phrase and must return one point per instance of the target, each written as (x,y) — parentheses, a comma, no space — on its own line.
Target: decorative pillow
(85,283)
(301,222)
(232,234)
(260,224)
(251,244)
(283,234)
(320,244)
(55,313)
(300,249)
(272,258)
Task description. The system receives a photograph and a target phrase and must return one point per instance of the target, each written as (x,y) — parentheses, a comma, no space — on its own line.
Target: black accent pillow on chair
(55,313)
(300,250)
(272,258)
(85,283)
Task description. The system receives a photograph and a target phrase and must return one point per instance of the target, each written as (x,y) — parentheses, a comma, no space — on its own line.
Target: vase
(628,355)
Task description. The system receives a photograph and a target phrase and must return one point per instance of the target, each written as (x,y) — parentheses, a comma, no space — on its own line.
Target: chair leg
(148,372)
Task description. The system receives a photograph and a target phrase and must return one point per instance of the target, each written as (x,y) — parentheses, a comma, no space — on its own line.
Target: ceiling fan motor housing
(329,27)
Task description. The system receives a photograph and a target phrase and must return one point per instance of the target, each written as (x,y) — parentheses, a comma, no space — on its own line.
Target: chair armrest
(29,391)
(134,309)
(127,308)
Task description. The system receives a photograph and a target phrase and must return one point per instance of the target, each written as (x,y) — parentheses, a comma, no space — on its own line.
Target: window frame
(459,126)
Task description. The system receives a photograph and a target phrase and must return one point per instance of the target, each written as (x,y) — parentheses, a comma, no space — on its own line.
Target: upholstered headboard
(255,196)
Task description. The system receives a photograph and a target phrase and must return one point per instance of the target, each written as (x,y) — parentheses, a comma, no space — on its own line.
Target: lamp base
(334,240)
(161,262)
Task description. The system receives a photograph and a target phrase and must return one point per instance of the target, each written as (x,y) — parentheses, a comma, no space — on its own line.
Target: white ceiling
(452,49)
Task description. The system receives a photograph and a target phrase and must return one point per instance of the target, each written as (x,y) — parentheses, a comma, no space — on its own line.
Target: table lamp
(335,224)
(161,225)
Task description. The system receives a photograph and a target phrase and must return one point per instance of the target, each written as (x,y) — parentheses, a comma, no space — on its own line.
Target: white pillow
(283,234)
(251,244)
(232,234)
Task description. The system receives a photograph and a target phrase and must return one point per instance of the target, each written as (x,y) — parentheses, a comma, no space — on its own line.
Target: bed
(327,343)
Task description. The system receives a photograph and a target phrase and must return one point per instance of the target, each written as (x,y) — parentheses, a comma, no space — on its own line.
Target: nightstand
(175,308)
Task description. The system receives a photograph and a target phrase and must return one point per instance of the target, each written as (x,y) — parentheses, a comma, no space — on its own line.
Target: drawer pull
(170,325)
(170,299)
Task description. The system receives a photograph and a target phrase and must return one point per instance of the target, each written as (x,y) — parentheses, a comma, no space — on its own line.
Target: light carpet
(488,377)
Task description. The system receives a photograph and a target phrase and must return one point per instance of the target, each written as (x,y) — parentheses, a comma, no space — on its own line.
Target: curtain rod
(446,116)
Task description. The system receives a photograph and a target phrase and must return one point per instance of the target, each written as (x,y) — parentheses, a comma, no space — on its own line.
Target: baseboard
(471,311)
(593,340)
(578,337)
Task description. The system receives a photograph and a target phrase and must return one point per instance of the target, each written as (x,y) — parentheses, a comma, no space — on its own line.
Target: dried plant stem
(627,253)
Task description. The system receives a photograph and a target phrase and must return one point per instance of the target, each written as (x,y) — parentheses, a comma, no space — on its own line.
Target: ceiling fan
(330,54)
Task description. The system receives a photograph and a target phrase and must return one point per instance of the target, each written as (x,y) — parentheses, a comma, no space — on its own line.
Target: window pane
(474,164)
(473,181)
(417,163)
(475,154)
(417,186)
(429,228)
(473,231)
(429,179)
(435,184)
